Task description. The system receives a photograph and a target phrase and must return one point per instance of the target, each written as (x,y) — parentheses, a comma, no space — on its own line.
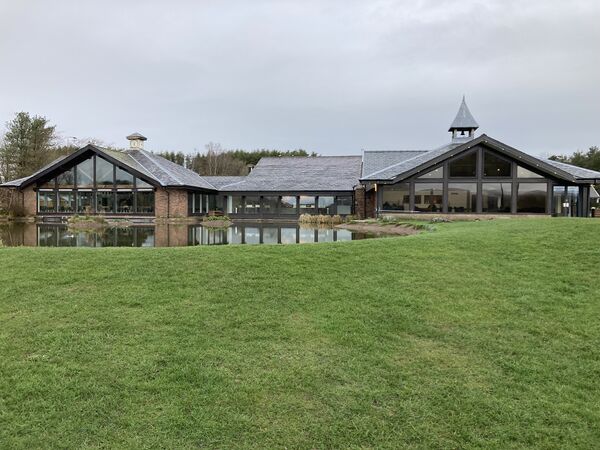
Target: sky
(333,77)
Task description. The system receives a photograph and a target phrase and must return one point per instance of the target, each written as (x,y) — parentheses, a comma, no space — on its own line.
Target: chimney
(136,141)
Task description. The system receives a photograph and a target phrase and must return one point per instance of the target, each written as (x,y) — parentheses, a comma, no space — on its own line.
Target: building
(474,175)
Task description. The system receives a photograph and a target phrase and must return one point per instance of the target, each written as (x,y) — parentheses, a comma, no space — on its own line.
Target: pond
(58,235)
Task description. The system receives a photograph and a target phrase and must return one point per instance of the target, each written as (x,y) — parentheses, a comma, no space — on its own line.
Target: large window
(66,179)
(123,178)
(125,202)
(462,197)
(66,202)
(85,174)
(47,201)
(235,204)
(74,190)
(495,166)
(326,205)
(269,204)
(496,197)
(104,173)
(105,202)
(252,204)
(428,197)
(344,205)
(145,202)
(464,167)
(307,204)
(84,202)
(395,197)
(532,198)
(288,205)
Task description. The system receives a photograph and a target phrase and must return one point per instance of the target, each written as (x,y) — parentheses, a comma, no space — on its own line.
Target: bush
(216,218)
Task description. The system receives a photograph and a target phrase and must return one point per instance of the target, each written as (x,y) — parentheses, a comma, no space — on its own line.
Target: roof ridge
(144,167)
(409,159)
(147,154)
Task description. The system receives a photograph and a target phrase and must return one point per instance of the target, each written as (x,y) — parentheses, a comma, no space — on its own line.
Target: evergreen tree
(27,146)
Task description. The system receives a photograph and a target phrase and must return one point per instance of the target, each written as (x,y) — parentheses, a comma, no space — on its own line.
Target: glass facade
(326,205)
(495,166)
(435,173)
(464,167)
(522,172)
(480,181)
(288,205)
(496,197)
(344,205)
(462,197)
(429,197)
(269,204)
(46,201)
(307,204)
(395,197)
(252,204)
(85,174)
(104,174)
(75,190)
(531,198)
(105,202)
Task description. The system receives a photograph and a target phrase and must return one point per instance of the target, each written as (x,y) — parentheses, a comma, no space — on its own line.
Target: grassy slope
(479,334)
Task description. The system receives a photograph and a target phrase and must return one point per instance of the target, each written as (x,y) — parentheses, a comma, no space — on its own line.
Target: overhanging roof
(423,161)
(151,168)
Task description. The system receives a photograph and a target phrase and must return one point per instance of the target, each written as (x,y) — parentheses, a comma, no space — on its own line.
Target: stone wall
(365,202)
(170,203)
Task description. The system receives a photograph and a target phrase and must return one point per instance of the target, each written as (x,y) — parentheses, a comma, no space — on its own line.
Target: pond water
(58,235)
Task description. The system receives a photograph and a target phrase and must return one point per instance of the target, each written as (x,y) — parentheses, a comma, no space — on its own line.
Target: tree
(587,160)
(27,146)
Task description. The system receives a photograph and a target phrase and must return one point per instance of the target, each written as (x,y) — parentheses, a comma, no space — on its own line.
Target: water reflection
(55,235)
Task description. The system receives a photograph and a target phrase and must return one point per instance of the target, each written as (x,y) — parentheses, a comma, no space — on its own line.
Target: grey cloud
(328,76)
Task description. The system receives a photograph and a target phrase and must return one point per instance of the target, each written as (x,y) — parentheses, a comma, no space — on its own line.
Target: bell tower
(464,125)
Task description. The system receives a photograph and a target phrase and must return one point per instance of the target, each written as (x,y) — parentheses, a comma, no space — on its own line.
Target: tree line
(30,142)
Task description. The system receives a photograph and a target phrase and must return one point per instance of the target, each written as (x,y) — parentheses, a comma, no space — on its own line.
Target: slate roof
(464,119)
(376,160)
(153,167)
(577,172)
(18,182)
(286,174)
(404,165)
(168,173)
(220,181)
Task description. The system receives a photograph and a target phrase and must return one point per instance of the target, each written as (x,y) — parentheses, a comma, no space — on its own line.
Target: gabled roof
(286,174)
(394,170)
(376,160)
(423,161)
(152,168)
(464,120)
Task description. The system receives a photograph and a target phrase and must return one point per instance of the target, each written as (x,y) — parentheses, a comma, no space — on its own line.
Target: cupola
(464,125)
(136,141)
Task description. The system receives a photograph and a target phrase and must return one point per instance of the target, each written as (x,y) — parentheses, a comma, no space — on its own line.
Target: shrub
(216,218)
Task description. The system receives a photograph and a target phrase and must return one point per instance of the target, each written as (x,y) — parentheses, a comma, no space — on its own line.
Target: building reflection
(168,235)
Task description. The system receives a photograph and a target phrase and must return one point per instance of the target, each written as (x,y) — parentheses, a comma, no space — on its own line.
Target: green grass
(480,334)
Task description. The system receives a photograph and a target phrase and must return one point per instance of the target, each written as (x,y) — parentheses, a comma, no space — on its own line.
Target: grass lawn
(480,334)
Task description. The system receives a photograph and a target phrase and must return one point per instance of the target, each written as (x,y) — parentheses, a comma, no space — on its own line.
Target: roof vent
(136,141)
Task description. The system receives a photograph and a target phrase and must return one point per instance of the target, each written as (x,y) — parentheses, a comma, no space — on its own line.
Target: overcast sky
(333,77)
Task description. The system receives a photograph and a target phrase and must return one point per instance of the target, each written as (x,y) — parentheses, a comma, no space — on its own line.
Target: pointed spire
(464,120)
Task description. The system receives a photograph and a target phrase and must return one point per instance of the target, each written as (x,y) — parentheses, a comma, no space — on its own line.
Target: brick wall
(359,202)
(29,201)
(171,203)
